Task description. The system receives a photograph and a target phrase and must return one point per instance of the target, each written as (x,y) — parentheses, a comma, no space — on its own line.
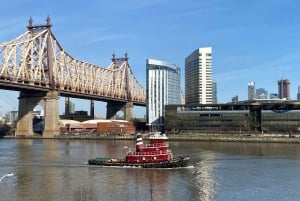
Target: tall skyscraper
(251,90)
(284,89)
(198,77)
(163,88)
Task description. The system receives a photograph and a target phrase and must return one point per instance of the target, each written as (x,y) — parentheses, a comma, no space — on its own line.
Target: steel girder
(36,58)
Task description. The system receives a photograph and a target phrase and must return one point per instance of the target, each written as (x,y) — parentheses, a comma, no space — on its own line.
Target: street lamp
(6,175)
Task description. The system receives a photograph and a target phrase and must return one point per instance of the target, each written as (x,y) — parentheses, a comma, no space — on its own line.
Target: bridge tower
(114,106)
(48,100)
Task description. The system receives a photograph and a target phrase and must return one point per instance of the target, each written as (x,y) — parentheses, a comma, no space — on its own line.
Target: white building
(198,77)
(163,88)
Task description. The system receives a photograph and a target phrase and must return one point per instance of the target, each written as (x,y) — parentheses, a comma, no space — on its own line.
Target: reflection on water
(57,170)
(205,181)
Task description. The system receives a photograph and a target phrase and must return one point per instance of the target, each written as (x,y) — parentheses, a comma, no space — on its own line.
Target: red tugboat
(156,154)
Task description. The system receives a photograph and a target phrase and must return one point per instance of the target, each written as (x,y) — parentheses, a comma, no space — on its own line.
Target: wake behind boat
(156,154)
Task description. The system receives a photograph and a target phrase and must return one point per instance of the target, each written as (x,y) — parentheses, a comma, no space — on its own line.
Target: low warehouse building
(268,116)
(98,126)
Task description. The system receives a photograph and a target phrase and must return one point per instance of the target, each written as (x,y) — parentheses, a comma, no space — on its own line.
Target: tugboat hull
(156,154)
(174,163)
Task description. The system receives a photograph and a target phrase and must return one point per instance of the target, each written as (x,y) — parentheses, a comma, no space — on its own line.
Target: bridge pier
(51,126)
(92,109)
(27,102)
(24,123)
(67,106)
(113,107)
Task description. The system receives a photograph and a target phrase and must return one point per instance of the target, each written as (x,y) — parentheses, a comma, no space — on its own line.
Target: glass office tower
(163,88)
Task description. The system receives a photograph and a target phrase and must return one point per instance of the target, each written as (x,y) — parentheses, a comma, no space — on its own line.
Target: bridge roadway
(36,65)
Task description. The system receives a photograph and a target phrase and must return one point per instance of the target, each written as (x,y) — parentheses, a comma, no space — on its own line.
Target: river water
(56,170)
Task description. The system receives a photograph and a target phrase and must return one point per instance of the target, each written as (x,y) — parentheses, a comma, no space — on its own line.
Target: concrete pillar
(128,111)
(51,126)
(27,102)
(92,109)
(113,107)
(24,124)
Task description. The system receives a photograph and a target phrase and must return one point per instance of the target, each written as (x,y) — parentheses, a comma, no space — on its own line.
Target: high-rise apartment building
(198,77)
(251,90)
(284,89)
(163,88)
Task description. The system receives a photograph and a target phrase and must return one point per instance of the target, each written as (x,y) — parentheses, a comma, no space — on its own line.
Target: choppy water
(56,170)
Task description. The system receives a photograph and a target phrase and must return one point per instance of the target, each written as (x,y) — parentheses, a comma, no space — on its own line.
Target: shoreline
(238,138)
(181,137)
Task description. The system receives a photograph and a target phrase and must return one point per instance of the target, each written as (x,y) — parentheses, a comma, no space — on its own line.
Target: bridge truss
(36,61)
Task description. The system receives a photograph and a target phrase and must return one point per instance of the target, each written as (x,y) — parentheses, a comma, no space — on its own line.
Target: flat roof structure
(263,116)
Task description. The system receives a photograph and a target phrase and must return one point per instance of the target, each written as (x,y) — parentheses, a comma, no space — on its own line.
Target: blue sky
(251,40)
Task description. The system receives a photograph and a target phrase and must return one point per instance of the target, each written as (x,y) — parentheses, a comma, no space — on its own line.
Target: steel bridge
(36,64)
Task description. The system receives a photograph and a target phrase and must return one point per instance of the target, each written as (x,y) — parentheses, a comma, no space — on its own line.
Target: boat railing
(148,153)
(158,135)
(165,144)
